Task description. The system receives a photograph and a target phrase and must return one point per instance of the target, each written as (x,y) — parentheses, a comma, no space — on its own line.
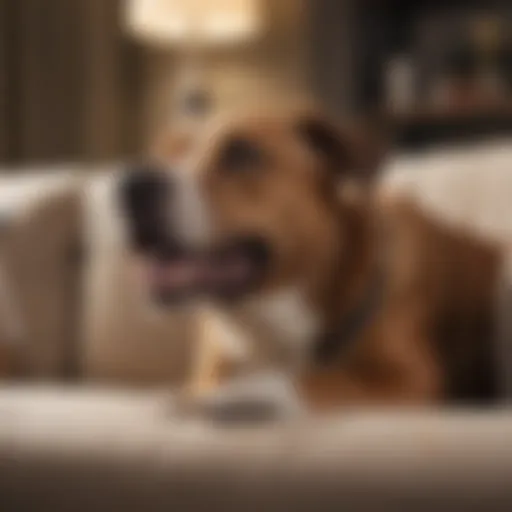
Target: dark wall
(348,43)
(351,39)
(330,36)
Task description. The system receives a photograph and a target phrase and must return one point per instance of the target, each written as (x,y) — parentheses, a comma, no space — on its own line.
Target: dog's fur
(316,203)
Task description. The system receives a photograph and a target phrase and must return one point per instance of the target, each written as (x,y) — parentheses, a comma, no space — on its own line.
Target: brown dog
(276,219)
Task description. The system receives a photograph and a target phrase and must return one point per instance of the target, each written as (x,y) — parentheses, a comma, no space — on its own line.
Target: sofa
(87,420)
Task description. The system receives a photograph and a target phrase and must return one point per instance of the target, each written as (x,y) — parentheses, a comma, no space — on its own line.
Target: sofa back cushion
(470,186)
(124,339)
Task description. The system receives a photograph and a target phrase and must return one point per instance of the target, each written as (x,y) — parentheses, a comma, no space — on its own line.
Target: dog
(278,219)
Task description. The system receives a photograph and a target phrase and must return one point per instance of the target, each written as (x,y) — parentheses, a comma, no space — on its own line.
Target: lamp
(197,22)
(193,26)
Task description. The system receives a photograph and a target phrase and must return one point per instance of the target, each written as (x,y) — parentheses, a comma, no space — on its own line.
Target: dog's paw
(248,401)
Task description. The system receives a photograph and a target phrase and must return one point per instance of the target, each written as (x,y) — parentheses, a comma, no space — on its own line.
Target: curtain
(69,82)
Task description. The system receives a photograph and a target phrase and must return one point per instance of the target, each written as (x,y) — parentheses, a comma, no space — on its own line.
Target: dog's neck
(294,318)
(284,322)
(354,270)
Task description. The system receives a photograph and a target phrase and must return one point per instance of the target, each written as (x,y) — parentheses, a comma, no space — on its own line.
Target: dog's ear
(356,151)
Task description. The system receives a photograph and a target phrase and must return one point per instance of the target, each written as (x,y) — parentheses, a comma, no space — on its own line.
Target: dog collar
(334,341)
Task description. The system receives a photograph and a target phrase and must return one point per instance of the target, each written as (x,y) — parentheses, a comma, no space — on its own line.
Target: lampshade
(202,22)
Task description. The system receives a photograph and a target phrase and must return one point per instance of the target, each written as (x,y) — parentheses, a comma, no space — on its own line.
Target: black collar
(349,329)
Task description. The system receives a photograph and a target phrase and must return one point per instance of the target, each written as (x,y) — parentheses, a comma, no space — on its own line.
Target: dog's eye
(241,155)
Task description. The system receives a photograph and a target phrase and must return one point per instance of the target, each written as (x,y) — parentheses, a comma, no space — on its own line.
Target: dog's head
(251,207)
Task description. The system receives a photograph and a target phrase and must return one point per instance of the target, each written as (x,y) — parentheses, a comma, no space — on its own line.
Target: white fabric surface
(96,450)
(470,186)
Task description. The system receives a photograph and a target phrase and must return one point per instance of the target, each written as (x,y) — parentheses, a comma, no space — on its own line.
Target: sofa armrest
(42,230)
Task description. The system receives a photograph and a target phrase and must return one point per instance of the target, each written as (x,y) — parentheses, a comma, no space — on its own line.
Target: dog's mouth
(228,271)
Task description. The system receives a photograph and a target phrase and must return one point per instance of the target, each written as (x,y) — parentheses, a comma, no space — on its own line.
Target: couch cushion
(124,339)
(41,227)
(469,186)
(86,450)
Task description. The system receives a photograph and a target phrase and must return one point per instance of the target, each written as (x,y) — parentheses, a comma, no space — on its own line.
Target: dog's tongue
(197,274)
(179,274)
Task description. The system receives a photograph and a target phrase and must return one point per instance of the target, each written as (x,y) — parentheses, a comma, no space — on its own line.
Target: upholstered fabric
(41,226)
(106,451)
(469,185)
(124,339)
(74,304)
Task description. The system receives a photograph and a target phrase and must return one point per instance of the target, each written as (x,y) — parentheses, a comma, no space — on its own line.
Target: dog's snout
(143,188)
(144,194)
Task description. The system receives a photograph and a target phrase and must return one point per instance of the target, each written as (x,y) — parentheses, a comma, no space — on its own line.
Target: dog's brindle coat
(428,337)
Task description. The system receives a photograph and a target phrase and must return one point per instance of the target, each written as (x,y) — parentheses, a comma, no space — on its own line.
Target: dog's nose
(142,188)
(144,194)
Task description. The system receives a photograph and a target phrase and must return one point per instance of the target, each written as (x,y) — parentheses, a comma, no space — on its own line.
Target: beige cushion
(124,338)
(39,278)
(103,451)
(469,186)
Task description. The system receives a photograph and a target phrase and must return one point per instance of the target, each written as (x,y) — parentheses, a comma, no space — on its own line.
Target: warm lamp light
(193,26)
(197,22)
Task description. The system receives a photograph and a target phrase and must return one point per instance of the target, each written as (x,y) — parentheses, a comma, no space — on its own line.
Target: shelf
(421,128)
